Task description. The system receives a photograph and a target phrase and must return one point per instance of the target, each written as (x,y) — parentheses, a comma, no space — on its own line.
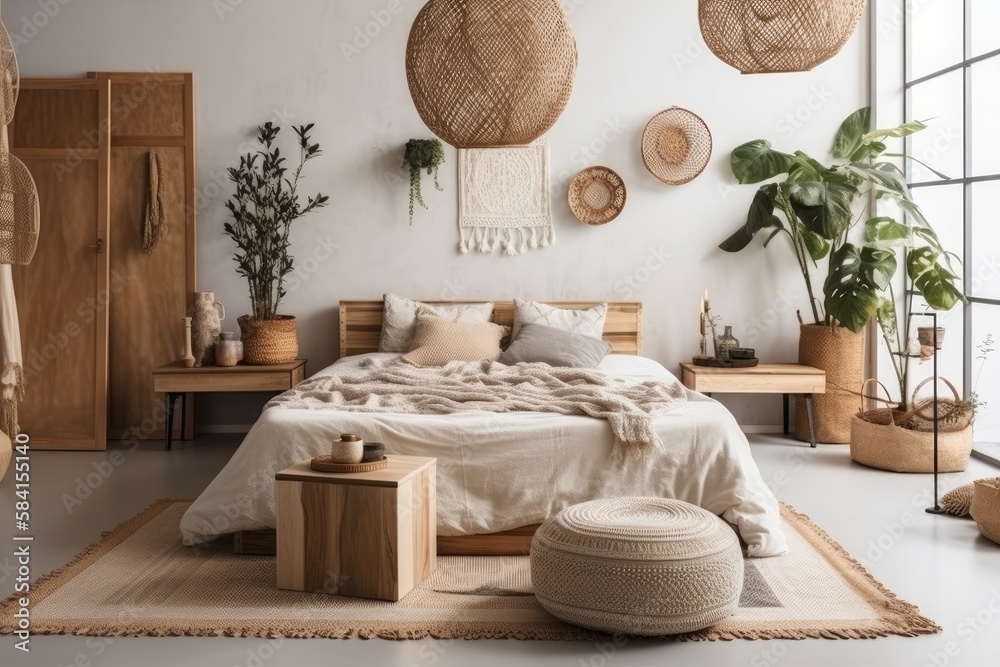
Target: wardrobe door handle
(99,246)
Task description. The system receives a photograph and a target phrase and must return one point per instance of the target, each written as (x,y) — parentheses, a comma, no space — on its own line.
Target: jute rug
(139,580)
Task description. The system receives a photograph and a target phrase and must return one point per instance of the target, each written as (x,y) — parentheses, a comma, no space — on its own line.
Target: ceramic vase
(228,350)
(206,325)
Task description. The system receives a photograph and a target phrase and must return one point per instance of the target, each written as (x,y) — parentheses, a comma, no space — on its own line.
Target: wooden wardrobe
(98,314)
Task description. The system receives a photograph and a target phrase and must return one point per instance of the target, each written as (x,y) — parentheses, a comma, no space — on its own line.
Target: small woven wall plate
(326,464)
(676,146)
(597,196)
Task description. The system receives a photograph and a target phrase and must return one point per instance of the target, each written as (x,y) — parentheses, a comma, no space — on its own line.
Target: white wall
(256,58)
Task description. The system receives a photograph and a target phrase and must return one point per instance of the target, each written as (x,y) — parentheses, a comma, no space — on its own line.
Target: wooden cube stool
(370,535)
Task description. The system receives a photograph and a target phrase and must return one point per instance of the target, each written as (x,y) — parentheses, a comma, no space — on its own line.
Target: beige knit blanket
(628,405)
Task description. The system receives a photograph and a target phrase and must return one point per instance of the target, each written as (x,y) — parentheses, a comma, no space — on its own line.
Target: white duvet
(497,472)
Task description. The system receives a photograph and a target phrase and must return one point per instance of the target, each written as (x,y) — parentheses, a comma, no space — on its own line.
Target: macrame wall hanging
(19,221)
(503,199)
(762,36)
(489,73)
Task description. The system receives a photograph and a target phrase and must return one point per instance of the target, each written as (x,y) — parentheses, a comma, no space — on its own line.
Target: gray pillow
(537,343)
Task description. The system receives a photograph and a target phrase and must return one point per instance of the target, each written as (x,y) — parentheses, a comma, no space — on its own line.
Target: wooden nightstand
(783,379)
(370,534)
(176,381)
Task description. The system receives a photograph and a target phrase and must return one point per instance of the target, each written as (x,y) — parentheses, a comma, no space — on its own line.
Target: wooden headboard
(361,323)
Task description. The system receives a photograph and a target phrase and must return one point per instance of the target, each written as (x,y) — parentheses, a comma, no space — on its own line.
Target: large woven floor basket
(986,508)
(759,36)
(269,342)
(841,353)
(896,449)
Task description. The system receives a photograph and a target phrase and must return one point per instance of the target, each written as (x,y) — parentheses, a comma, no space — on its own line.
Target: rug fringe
(907,614)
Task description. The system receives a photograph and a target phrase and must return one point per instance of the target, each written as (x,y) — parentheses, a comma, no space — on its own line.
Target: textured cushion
(958,501)
(438,341)
(399,319)
(538,343)
(637,566)
(589,322)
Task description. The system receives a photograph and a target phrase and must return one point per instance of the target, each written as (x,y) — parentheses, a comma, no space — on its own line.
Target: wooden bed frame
(361,323)
(360,330)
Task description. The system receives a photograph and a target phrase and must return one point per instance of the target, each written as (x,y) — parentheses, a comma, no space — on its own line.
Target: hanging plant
(422,155)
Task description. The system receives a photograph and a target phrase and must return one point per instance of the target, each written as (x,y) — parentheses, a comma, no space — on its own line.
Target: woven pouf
(637,566)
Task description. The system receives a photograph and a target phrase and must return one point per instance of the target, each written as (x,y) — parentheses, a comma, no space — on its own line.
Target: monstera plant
(851,225)
(817,207)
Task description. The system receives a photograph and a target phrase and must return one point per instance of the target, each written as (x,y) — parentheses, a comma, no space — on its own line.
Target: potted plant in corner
(818,208)
(264,207)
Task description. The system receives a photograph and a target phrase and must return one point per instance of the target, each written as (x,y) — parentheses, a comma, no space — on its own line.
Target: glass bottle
(725,343)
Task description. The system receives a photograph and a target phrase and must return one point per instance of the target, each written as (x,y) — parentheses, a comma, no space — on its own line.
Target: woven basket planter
(490,73)
(269,342)
(897,449)
(760,36)
(986,508)
(841,353)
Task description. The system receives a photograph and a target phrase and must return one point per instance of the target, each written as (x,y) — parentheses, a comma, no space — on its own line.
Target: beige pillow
(438,341)
(399,319)
(589,322)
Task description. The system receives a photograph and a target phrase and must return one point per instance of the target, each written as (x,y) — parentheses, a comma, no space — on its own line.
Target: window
(952,64)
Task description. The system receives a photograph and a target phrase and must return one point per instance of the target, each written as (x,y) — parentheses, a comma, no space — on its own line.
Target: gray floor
(941,564)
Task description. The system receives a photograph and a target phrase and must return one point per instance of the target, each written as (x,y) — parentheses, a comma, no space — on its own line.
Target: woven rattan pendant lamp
(491,73)
(19,215)
(762,36)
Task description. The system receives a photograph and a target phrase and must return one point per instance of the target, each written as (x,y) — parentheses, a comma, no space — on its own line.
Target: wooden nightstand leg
(171,400)
(184,409)
(784,411)
(812,420)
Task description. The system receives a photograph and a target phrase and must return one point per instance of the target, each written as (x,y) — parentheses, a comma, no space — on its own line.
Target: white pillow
(399,319)
(589,322)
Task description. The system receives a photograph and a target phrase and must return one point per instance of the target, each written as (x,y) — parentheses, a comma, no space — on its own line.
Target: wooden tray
(712,362)
(324,464)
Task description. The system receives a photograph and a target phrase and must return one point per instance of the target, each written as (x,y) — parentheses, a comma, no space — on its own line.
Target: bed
(500,474)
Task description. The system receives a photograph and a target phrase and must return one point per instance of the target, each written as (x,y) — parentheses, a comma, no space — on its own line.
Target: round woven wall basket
(676,146)
(269,342)
(597,196)
(762,36)
(489,73)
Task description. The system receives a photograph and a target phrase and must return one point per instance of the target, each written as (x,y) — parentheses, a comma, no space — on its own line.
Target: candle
(707,307)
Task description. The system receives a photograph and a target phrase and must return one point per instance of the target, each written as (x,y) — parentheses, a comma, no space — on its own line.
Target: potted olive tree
(823,211)
(263,209)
